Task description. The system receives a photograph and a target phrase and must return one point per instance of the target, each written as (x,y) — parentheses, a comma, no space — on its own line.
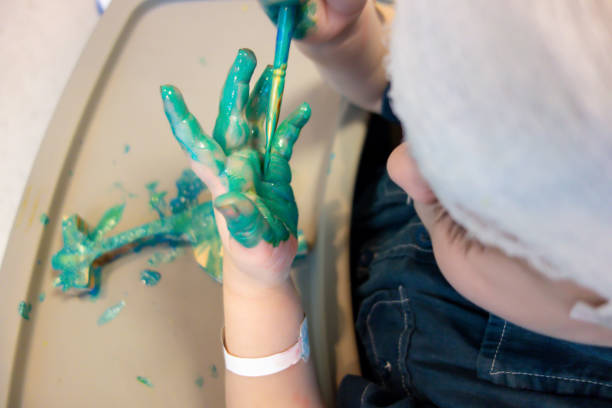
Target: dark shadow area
(381,138)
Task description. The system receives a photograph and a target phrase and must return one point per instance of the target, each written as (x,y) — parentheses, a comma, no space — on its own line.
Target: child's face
(503,285)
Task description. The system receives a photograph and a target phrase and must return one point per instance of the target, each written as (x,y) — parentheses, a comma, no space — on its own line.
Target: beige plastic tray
(168,333)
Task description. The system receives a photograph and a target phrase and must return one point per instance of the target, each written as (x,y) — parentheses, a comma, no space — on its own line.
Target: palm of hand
(256,205)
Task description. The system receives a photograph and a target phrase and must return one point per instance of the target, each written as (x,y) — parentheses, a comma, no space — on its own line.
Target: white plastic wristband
(259,367)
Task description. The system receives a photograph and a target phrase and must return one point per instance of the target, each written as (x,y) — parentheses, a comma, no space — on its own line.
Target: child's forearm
(261,321)
(353,63)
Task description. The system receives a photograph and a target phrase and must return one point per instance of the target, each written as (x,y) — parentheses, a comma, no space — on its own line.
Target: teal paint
(41,297)
(306,10)
(44,219)
(70,173)
(24,309)
(199,381)
(150,277)
(286,25)
(126,148)
(188,222)
(214,373)
(307,22)
(332,156)
(145,381)
(165,257)
(110,313)
(157,199)
(302,249)
(259,204)
(188,131)
(202,61)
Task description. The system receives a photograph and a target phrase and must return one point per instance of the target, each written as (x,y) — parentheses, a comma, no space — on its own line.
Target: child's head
(507,108)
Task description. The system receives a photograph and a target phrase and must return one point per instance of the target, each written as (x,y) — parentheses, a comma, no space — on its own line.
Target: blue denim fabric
(424,345)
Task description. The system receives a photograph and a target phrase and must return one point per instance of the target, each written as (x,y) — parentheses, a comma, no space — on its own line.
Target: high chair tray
(107,139)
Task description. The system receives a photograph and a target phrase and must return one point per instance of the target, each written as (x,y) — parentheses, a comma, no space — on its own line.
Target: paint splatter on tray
(110,313)
(150,277)
(181,222)
(145,381)
(44,219)
(24,309)
(199,381)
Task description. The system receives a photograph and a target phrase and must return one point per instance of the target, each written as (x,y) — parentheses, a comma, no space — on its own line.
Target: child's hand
(259,223)
(318,21)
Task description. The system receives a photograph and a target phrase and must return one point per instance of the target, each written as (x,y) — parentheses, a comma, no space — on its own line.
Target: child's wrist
(248,284)
(260,319)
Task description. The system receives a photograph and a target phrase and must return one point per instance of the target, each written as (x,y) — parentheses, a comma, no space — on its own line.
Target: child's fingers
(231,129)
(244,221)
(279,200)
(305,16)
(188,131)
(288,131)
(257,107)
(346,8)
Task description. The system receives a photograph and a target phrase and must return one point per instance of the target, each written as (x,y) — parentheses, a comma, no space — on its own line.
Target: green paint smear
(185,221)
(126,148)
(157,199)
(149,277)
(24,309)
(259,204)
(110,313)
(41,297)
(145,381)
(199,381)
(214,373)
(305,16)
(165,257)
(202,61)
(44,219)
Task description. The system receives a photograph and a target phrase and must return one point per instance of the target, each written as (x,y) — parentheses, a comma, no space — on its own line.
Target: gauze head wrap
(507,106)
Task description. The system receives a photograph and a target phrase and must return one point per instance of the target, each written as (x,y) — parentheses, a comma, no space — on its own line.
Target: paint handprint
(256,204)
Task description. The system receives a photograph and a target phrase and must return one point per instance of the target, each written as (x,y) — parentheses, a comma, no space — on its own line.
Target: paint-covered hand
(318,21)
(258,226)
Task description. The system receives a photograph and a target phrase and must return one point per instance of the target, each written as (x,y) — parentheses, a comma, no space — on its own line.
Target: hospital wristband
(262,366)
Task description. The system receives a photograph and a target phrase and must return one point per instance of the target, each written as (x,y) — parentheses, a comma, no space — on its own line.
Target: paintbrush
(285,26)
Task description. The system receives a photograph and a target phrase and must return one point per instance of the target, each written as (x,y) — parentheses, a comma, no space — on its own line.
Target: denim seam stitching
(552,376)
(370,329)
(363,394)
(497,349)
(402,246)
(399,342)
(491,372)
